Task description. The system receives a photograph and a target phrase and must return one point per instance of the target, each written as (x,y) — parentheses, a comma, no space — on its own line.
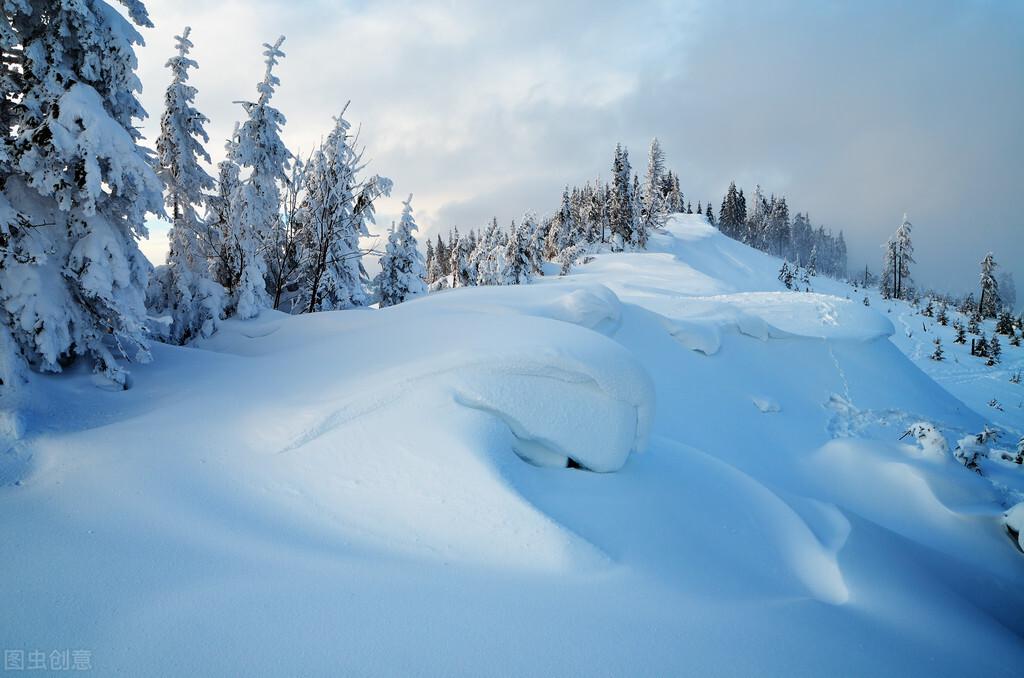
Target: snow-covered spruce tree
(194,300)
(337,208)
(778,233)
(459,256)
(1005,324)
(622,212)
(429,259)
(534,234)
(401,268)
(284,248)
(989,302)
(76,185)
(653,206)
(517,256)
(937,354)
(560,233)
(756,227)
(220,223)
(256,201)
(899,255)
(961,334)
(995,351)
(640,232)
(730,217)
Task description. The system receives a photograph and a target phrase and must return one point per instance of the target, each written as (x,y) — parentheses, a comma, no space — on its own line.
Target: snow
(386,493)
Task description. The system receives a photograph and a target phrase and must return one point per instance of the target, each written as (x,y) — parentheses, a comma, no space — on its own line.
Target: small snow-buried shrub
(931,442)
(1013,521)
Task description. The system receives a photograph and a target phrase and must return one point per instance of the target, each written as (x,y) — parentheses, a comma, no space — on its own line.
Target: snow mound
(1014,522)
(766,405)
(590,305)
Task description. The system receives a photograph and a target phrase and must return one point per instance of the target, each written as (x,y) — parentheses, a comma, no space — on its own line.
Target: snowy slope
(384,492)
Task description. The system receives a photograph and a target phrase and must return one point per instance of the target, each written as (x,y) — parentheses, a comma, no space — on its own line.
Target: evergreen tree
(459,255)
(622,212)
(561,230)
(653,206)
(534,235)
(756,226)
(401,268)
(989,302)
(441,256)
(995,351)
(943,317)
(778,234)
(487,258)
(968,306)
(76,185)
(338,206)
(961,335)
(937,354)
(899,254)
(517,257)
(256,201)
(709,213)
(1005,324)
(192,299)
(730,219)
(430,261)
(981,347)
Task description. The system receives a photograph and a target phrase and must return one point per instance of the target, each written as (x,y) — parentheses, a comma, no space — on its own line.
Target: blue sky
(857,112)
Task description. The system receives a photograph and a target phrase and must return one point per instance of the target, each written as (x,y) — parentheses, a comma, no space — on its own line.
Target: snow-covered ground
(386,492)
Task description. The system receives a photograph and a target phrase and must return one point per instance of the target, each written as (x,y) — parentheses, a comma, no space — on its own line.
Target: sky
(857,112)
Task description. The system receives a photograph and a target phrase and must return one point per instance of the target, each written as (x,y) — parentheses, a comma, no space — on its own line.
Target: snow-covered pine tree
(989,302)
(194,300)
(622,215)
(517,257)
(441,255)
(459,254)
(535,237)
(429,259)
(995,351)
(903,252)
(968,306)
(653,207)
(336,209)
(284,253)
(730,219)
(77,186)
(487,259)
(256,201)
(640,232)
(756,226)
(709,213)
(778,232)
(401,268)
(980,347)
(937,354)
(961,334)
(560,233)
(1005,324)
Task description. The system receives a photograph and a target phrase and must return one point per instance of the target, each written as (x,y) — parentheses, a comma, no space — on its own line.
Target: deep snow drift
(386,492)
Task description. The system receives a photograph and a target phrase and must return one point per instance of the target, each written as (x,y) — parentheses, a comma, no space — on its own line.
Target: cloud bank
(858,112)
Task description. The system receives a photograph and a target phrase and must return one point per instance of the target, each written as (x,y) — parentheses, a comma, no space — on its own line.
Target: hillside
(387,491)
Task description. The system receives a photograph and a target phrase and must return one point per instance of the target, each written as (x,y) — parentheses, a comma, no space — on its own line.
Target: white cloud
(857,112)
